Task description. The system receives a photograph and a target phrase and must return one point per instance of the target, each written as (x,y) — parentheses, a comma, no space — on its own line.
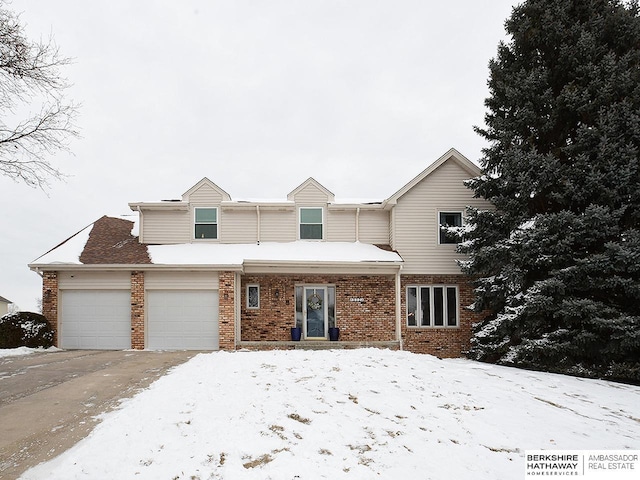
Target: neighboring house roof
(109,241)
(4,300)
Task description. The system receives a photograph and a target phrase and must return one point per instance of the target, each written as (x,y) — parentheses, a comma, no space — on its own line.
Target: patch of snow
(69,251)
(347,414)
(15,352)
(236,254)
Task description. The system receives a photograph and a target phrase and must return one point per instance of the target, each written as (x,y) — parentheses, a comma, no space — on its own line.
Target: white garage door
(96,319)
(182,319)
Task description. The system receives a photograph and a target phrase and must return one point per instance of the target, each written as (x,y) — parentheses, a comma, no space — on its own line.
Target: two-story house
(208,272)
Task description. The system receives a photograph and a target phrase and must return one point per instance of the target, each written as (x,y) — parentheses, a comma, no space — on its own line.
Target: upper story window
(206,223)
(311,223)
(449,219)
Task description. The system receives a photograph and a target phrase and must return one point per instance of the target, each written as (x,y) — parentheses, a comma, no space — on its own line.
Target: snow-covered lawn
(358,414)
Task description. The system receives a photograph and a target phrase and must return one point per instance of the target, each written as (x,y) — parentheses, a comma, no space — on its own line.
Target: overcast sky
(255,95)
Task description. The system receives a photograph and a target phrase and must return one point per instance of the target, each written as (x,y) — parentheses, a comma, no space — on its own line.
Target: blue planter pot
(334,334)
(296,334)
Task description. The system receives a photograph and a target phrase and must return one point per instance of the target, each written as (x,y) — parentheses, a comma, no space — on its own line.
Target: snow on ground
(356,414)
(14,352)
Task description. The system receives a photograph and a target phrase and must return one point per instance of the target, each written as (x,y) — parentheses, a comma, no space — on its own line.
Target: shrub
(25,329)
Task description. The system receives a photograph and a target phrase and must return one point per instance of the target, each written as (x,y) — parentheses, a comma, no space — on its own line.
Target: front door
(315,312)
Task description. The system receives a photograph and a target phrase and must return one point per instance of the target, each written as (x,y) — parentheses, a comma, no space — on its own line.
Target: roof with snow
(4,300)
(111,241)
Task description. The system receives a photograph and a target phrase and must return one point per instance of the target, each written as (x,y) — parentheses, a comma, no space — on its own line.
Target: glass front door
(315,312)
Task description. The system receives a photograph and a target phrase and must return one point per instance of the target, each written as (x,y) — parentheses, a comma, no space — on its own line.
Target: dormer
(312,192)
(205,192)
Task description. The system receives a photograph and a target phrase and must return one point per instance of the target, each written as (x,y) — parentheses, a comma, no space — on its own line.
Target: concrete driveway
(48,401)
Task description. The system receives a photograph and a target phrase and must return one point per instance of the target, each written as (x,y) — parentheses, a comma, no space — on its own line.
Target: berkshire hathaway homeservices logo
(585,464)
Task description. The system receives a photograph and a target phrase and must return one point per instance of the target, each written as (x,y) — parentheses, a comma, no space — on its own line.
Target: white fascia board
(262,205)
(59,267)
(158,206)
(339,268)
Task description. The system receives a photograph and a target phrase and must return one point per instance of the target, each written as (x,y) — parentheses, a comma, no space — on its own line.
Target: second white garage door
(182,319)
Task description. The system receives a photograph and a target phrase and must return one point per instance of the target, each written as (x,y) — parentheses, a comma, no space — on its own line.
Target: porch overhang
(341,268)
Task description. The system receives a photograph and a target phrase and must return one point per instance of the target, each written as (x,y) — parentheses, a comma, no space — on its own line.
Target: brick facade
(443,342)
(370,318)
(365,310)
(227,311)
(50,301)
(137,310)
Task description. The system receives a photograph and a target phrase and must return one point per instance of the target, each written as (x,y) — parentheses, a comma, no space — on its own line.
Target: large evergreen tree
(558,261)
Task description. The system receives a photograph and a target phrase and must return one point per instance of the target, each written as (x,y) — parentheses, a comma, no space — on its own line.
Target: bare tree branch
(30,80)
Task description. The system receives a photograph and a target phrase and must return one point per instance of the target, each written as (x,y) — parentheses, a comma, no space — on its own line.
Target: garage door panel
(182,319)
(95,319)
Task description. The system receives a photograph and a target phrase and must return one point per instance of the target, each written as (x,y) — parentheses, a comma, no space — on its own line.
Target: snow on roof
(69,251)
(108,248)
(237,254)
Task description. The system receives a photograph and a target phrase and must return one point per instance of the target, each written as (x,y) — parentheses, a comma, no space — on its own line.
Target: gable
(452,159)
(205,192)
(310,191)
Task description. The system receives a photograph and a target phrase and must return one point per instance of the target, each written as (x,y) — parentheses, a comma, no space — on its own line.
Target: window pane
(425,302)
(253,296)
(449,220)
(207,231)
(438,306)
(412,306)
(206,215)
(331,305)
(452,307)
(299,307)
(311,232)
(310,215)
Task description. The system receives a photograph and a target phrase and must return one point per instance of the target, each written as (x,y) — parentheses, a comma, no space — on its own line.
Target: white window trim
(217,224)
(445,310)
(440,212)
(322,224)
(250,286)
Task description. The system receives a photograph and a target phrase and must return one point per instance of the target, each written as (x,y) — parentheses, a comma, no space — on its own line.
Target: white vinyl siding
(416,228)
(311,195)
(278,225)
(162,227)
(181,280)
(239,226)
(205,196)
(341,225)
(94,280)
(374,227)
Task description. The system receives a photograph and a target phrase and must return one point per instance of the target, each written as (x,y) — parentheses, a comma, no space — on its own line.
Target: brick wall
(372,319)
(226,316)
(50,301)
(137,310)
(444,342)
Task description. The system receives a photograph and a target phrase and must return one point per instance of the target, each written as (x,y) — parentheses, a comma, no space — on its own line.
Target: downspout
(140,234)
(358,224)
(236,305)
(258,219)
(399,308)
